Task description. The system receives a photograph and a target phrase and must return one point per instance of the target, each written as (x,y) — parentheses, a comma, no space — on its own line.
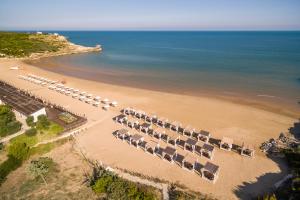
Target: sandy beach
(242,123)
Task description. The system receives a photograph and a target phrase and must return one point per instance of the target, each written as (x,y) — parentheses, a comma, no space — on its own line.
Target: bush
(102,184)
(43,123)
(18,150)
(117,188)
(7,166)
(31,132)
(30,121)
(8,123)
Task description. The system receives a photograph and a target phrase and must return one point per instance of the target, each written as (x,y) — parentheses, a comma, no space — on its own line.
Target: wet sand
(243,123)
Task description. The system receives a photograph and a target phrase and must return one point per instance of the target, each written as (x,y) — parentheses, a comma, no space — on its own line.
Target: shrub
(18,150)
(8,123)
(115,187)
(40,167)
(7,166)
(42,123)
(31,132)
(30,121)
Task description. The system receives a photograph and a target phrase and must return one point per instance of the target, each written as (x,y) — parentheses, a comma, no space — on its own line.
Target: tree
(31,132)
(30,121)
(43,122)
(8,122)
(40,167)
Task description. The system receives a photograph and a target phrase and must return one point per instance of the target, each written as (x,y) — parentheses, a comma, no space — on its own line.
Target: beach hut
(207,151)
(169,154)
(162,122)
(179,159)
(105,101)
(123,134)
(105,107)
(172,138)
(188,131)
(247,150)
(75,96)
(189,162)
(181,142)
(159,152)
(133,124)
(67,93)
(151,118)
(145,127)
(151,147)
(175,126)
(139,114)
(210,172)
(203,136)
(114,103)
(121,118)
(190,144)
(135,140)
(127,111)
(89,96)
(226,144)
(158,133)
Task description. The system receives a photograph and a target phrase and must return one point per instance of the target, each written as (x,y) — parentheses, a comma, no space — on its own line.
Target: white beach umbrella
(105,100)
(97,98)
(114,103)
(105,107)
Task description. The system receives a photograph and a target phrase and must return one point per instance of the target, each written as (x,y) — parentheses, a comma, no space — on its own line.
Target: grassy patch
(45,148)
(42,135)
(24,44)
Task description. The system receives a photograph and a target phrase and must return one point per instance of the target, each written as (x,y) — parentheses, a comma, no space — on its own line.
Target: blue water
(259,64)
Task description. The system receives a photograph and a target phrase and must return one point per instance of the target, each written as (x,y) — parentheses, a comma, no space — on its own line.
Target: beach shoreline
(110,77)
(242,123)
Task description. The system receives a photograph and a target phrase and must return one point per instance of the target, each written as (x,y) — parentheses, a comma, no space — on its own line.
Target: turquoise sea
(261,65)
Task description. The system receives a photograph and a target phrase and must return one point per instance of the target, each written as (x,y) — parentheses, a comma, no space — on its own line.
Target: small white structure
(14,68)
(38,113)
(39,33)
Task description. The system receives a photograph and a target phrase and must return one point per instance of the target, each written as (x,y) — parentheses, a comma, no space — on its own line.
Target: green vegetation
(31,132)
(30,121)
(108,185)
(44,130)
(291,188)
(40,167)
(8,123)
(43,123)
(67,117)
(24,44)
(21,147)
(8,166)
(269,197)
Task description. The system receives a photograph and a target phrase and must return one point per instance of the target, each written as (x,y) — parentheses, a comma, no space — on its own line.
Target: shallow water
(261,65)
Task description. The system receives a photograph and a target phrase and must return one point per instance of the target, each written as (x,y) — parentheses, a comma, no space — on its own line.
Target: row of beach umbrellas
(75,93)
